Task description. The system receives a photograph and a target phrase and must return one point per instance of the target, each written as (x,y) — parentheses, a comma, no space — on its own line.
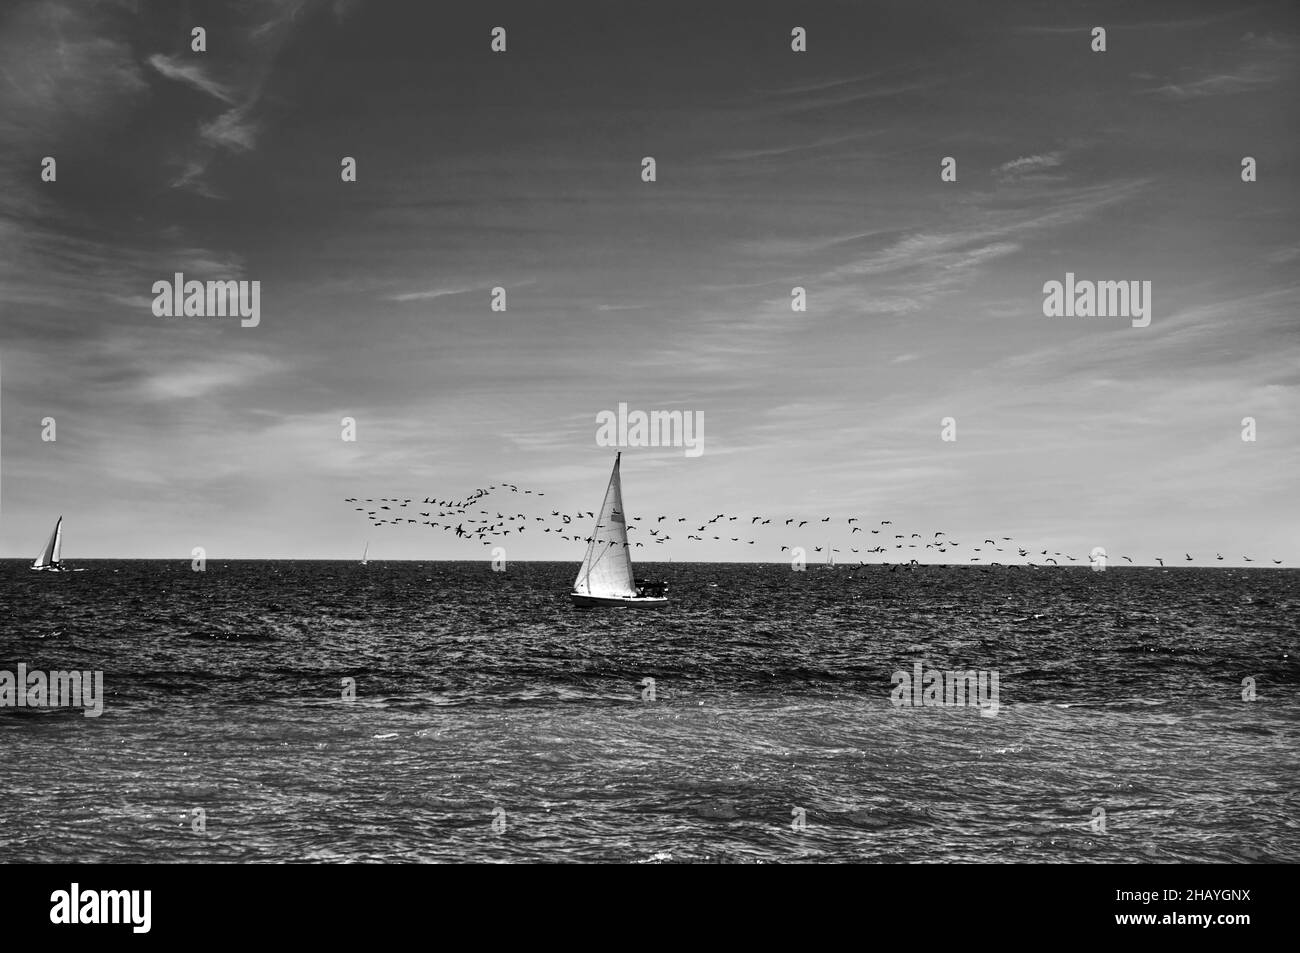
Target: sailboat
(51,557)
(365,553)
(605,577)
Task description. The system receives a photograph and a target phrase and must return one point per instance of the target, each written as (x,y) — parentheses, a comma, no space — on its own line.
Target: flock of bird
(468,519)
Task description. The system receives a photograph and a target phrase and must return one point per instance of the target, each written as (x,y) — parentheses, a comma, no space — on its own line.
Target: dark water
(479,691)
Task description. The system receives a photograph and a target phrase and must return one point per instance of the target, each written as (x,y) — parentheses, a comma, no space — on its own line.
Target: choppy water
(479,690)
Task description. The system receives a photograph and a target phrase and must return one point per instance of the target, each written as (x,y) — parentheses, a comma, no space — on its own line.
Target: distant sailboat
(365,553)
(51,557)
(830,557)
(605,578)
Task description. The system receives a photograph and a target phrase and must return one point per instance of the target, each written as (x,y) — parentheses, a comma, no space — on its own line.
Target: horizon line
(648,562)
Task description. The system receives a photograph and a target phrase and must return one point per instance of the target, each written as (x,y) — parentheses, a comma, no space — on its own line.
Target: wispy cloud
(191,74)
(1028,166)
(48,50)
(231,130)
(1265,61)
(1174,23)
(886,91)
(203,378)
(788,150)
(431,294)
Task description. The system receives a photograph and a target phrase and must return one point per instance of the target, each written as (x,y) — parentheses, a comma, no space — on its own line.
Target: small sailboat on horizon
(364,553)
(605,577)
(51,557)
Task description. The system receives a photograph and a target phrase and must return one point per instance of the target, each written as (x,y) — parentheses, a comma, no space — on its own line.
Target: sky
(774,169)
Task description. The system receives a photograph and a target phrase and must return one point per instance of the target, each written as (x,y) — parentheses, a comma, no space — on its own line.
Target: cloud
(817,86)
(1248,79)
(231,130)
(190,74)
(189,379)
(61,71)
(431,293)
(1191,23)
(191,178)
(246,71)
(880,92)
(1267,60)
(778,152)
(1026,166)
(1283,255)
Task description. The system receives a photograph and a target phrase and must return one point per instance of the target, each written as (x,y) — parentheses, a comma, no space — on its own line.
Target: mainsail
(607,568)
(53,550)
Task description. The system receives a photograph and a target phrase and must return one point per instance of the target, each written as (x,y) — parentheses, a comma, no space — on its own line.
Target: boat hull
(47,569)
(631,602)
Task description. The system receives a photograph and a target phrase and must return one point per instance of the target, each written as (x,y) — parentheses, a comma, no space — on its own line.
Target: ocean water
(494,722)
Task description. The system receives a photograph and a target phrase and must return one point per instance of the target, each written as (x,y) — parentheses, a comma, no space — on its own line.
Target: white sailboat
(605,577)
(51,557)
(365,553)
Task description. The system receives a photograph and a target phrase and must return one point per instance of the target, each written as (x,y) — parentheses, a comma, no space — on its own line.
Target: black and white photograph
(854,433)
